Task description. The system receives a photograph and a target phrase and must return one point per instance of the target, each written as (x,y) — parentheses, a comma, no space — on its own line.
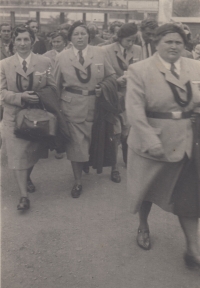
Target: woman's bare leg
(77,168)
(190,230)
(21,176)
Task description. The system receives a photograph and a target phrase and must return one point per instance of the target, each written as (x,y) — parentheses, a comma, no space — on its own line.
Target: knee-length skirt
(22,154)
(173,186)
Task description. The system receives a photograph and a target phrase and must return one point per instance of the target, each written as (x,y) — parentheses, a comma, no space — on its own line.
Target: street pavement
(89,242)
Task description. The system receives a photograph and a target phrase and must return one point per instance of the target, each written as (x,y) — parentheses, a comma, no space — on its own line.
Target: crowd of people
(140,88)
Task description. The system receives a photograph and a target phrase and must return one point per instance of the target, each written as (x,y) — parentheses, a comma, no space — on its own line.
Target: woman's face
(23,44)
(170,47)
(80,38)
(128,42)
(58,43)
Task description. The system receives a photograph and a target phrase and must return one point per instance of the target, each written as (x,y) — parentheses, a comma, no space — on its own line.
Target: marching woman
(20,76)
(162,93)
(78,70)
(121,54)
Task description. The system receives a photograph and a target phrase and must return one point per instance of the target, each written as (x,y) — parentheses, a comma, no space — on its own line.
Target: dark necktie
(172,69)
(124,54)
(24,66)
(147,50)
(81,59)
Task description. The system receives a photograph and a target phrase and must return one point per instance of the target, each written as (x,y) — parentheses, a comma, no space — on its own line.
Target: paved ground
(87,242)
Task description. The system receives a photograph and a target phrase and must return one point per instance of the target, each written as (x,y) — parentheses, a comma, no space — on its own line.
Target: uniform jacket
(147,90)
(96,40)
(114,53)
(39,65)
(51,55)
(3,53)
(76,107)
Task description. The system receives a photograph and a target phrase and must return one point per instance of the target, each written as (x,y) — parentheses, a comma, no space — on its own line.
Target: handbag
(35,124)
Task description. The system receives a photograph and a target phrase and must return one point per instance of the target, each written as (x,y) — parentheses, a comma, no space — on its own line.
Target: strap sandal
(76,191)
(24,204)
(143,239)
(30,186)
(115,176)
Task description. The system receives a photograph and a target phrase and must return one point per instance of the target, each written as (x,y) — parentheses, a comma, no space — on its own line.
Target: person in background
(64,28)
(121,54)
(59,42)
(196,52)
(39,46)
(48,41)
(5,32)
(162,95)
(146,37)
(114,27)
(77,71)
(94,38)
(18,87)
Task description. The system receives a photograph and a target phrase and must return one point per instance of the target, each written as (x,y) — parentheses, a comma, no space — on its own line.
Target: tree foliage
(186,8)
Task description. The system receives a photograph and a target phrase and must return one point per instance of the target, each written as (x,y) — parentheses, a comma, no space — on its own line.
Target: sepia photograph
(100,143)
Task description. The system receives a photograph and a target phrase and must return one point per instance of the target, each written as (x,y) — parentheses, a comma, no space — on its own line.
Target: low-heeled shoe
(24,204)
(76,191)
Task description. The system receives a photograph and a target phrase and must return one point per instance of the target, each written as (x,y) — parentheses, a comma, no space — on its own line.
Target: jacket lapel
(18,67)
(119,53)
(75,62)
(168,75)
(33,62)
(89,57)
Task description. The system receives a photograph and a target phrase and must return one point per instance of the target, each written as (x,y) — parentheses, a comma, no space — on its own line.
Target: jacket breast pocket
(75,107)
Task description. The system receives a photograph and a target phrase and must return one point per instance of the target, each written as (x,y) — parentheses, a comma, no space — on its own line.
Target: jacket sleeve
(8,97)
(135,106)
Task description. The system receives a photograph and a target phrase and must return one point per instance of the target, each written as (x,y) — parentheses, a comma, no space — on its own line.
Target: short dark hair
(5,24)
(74,26)
(169,28)
(22,29)
(30,21)
(115,24)
(150,23)
(58,33)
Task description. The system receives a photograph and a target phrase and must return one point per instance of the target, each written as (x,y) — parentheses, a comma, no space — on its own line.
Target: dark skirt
(186,194)
(173,186)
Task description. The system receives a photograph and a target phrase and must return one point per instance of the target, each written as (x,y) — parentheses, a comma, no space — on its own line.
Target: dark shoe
(30,186)
(59,155)
(86,167)
(24,204)
(143,239)
(76,191)
(191,262)
(115,176)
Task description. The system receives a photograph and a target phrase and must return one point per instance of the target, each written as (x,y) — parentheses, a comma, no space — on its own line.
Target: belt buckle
(85,92)
(176,115)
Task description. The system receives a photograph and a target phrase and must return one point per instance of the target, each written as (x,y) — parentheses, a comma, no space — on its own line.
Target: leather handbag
(35,124)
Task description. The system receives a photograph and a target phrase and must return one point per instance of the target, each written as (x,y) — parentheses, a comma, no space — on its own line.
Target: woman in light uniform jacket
(161,96)
(77,71)
(121,54)
(20,76)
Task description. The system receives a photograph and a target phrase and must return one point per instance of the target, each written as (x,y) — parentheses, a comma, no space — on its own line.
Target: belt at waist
(176,115)
(81,92)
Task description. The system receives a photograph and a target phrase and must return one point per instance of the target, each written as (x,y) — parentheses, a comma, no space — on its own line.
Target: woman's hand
(98,90)
(30,97)
(121,80)
(156,151)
